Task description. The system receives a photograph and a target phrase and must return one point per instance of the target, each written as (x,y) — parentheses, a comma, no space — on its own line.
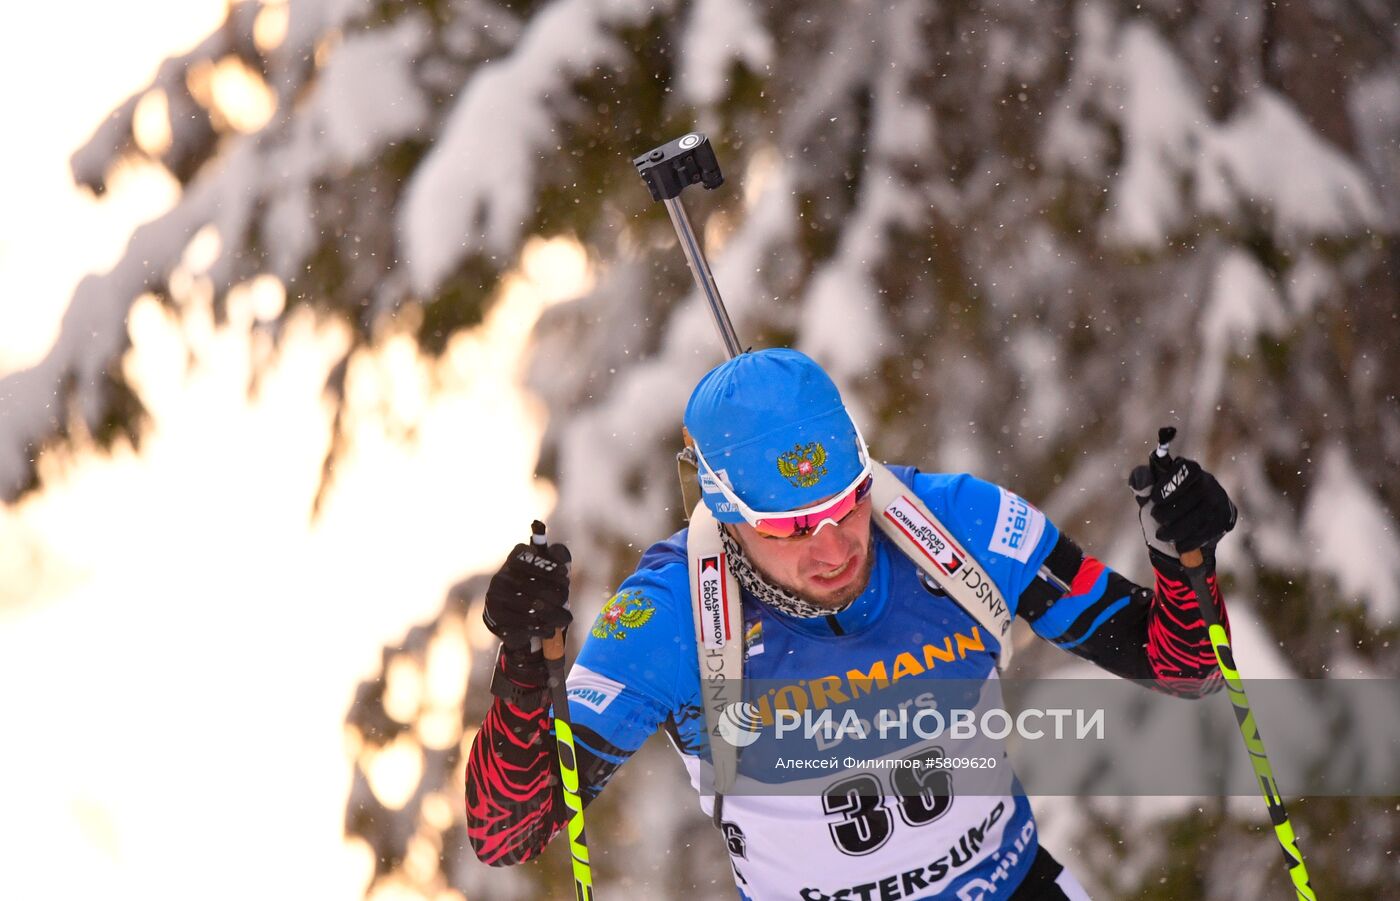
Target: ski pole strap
(1199,580)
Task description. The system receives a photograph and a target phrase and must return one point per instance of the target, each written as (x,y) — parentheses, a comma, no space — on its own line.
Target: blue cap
(772,425)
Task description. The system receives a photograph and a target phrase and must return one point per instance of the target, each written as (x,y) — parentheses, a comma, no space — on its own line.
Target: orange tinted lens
(780,527)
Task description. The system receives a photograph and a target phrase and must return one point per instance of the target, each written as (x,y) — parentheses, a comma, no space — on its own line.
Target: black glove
(1182,507)
(527,596)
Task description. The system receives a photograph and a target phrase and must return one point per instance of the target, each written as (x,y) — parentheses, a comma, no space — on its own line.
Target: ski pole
(1199,579)
(553,648)
(668,170)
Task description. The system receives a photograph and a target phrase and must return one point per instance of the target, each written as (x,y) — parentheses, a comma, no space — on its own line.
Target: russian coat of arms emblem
(625,611)
(804,465)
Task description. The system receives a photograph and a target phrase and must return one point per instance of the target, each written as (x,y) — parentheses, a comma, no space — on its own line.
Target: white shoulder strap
(719,624)
(913,528)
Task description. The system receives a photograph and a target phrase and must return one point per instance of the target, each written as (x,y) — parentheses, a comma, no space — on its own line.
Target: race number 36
(922,794)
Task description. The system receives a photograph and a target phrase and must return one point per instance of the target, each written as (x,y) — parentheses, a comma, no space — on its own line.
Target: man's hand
(1182,507)
(527,596)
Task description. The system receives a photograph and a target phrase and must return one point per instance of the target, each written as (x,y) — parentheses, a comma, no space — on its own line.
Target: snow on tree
(1022,236)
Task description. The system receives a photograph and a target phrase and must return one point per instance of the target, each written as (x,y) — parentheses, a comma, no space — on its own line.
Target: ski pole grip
(552,646)
(1195,563)
(1192,559)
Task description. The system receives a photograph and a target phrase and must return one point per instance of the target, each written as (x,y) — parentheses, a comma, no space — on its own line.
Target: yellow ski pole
(553,648)
(1199,579)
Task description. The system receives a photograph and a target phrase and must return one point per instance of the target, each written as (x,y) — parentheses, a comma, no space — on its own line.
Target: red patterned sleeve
(514,803)
(1155,635)
(1178,644)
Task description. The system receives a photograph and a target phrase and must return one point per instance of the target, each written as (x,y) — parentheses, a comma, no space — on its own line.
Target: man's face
(830,568)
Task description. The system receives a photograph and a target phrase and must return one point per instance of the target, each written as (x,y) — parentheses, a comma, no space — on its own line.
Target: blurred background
(308,307)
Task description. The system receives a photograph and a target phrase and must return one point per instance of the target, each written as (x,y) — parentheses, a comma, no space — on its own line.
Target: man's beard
(842,597)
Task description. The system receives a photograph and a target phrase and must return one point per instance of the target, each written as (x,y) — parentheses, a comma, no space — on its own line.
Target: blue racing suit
(638,672)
